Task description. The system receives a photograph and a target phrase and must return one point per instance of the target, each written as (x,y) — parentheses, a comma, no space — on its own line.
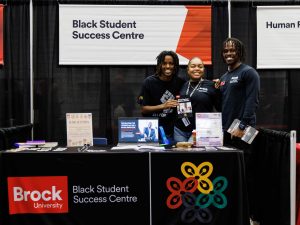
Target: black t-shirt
(155,92)
(203,99)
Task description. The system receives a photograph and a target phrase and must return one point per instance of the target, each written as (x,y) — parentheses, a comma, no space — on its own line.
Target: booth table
(106,187)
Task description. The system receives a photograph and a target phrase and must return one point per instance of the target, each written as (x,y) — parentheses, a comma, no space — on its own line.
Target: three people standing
(239,90)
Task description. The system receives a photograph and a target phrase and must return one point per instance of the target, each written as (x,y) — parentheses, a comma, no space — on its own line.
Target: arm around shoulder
(151,108)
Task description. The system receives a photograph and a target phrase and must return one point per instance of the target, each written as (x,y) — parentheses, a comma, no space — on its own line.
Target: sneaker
(254,222)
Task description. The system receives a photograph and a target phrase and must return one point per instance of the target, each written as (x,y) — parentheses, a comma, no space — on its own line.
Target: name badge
(184,108)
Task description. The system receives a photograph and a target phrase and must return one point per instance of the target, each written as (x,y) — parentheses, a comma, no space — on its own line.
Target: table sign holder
(79,129)
(209,129)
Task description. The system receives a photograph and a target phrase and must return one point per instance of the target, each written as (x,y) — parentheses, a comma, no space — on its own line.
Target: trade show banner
(1,35)
(278,32)
(108,189)
(132,34)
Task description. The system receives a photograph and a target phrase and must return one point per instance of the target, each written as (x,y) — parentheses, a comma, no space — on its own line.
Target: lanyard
(188,89)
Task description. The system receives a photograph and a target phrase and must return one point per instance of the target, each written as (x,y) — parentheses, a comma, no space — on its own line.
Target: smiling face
(167,68)
(195,69)
(230,55)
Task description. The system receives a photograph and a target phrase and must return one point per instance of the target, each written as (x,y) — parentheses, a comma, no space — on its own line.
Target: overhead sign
(278,32)
(132,34)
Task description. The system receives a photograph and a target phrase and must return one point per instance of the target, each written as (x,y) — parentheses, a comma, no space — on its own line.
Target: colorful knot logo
(216,197)
(200,173)
(178,188)
(193,212)
(183,193)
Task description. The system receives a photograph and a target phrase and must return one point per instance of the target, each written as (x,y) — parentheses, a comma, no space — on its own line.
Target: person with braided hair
(239,87)
(158,93)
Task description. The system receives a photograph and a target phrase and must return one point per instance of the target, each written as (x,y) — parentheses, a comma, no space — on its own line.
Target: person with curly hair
(158,94)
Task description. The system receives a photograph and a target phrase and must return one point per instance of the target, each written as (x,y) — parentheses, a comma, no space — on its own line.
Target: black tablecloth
(123,188)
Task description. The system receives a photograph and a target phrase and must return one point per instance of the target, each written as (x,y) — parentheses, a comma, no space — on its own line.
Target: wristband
(242,126)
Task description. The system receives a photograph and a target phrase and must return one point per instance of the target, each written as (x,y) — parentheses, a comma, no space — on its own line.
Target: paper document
(139,147)
(79,129)
(209,129)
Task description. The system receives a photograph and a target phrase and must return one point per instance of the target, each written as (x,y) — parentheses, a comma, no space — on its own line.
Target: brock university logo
(47,194)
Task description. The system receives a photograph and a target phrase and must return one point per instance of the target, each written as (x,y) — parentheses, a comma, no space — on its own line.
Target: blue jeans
(182,136)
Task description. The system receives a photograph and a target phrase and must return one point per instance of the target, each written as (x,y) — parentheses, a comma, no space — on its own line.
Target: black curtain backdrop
(110,91)
(271,163)
(15,74)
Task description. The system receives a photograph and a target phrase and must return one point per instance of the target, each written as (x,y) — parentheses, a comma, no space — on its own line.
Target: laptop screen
(138,130)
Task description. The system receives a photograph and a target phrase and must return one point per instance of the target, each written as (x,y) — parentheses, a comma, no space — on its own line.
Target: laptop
(137,131)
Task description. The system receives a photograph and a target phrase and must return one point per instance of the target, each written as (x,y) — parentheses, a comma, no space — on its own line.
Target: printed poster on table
(79,129)
(209,129)
(132,34)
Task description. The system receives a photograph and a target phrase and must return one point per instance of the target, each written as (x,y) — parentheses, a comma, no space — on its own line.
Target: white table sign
(79,129)
(209,129)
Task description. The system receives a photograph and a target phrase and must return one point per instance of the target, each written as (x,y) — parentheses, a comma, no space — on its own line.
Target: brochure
(250,132)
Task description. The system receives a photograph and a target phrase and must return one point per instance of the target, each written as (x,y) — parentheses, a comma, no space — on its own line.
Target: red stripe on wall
(1,35)
(195,38)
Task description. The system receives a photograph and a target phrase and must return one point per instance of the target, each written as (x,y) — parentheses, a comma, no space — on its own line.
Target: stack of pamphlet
(139,148)
(36,144)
